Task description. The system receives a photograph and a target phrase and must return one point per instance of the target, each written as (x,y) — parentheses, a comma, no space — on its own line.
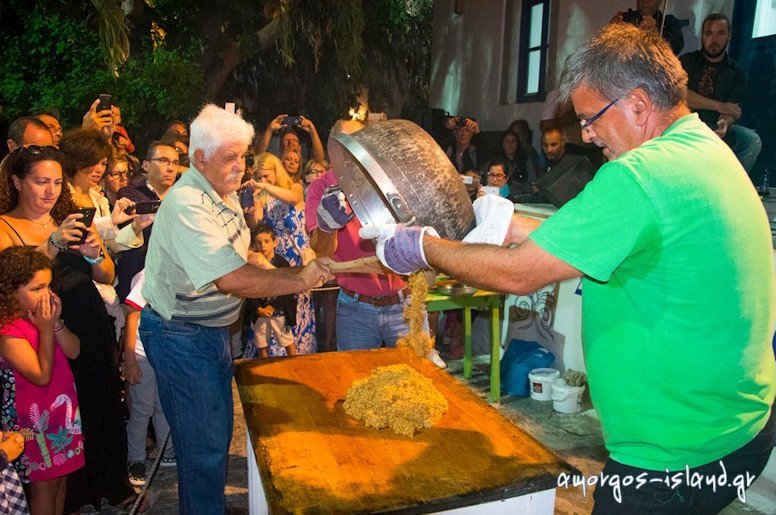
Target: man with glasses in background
(160,165)
(674,248)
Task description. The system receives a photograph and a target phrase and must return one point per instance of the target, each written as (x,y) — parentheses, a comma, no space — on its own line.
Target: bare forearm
(285,195)
(262,143)
(521,270)
(104,272)
(130,333)
(253,282)
(69,343)
(698,101)
(317,147)
(45,358)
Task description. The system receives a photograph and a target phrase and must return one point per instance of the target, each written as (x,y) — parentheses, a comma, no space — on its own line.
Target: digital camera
(631,16)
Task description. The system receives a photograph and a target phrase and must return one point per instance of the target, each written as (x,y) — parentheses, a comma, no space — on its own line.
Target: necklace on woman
(45,225)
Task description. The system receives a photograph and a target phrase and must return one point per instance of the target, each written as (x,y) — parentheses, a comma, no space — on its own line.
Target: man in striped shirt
(196,278)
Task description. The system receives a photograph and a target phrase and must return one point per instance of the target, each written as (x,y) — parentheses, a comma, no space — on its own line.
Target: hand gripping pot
(394,172)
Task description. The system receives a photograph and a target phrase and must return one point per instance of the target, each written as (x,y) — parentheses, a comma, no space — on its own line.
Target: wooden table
(484,300)
(312,457)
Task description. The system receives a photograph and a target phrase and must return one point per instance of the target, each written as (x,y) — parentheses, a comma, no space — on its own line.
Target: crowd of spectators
(76,218)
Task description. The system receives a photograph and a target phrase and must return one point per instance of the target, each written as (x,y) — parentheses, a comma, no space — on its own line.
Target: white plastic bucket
(565,398)
(541,383)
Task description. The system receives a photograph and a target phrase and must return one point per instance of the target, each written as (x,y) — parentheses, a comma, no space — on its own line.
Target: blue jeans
(363,326)
(193,366)
(745,144)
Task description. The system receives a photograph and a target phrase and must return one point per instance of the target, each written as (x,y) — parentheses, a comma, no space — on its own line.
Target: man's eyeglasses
(165,161)
(118,175)
(586,123)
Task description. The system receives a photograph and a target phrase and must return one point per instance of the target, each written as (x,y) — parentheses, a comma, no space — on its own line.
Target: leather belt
(383,300)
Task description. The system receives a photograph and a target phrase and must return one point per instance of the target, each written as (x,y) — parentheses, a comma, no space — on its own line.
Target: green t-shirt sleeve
(204,251)
(595,232)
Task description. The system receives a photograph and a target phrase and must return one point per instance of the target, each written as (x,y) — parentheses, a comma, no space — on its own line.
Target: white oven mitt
(493,215)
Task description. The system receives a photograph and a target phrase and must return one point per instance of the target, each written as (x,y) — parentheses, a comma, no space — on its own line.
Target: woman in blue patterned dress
(279,203)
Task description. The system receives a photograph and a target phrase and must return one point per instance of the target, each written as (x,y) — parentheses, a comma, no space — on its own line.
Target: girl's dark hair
(83,148)
(17,268)
(520,156)
(508,132)
(19,164)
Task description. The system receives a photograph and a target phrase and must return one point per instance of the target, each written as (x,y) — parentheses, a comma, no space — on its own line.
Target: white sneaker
(433,357)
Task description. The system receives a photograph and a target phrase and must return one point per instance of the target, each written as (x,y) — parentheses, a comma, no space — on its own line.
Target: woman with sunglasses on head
(36,208)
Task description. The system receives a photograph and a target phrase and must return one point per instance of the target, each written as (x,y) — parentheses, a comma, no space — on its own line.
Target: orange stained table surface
(313,457)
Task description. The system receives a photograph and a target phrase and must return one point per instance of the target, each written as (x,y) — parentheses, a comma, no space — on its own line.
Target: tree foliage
(163,59)
(49,61)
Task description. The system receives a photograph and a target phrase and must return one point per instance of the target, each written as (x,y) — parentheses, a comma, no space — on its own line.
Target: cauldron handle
(396,202)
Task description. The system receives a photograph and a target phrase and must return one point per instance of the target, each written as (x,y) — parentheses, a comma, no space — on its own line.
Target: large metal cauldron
(393,171)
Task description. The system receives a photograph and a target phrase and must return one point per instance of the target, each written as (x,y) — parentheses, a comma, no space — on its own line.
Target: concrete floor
(576,438)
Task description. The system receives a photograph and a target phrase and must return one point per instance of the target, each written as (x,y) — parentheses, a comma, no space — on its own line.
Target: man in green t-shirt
(679,300)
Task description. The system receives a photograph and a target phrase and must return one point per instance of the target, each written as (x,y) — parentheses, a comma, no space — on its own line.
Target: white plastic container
(565,398)
(540,380)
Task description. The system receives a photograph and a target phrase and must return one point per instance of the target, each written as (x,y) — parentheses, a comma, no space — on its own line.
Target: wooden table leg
(495,356)
(467,343)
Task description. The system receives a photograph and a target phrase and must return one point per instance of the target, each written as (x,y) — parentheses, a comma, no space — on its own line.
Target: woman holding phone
(37,209)
(87,154)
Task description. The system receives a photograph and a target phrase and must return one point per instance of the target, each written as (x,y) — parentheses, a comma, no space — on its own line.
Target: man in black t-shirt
(716,87)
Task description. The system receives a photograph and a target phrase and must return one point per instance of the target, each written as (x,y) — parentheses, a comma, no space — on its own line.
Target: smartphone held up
(87,220)
(246,198)
(105,102)
(144,207)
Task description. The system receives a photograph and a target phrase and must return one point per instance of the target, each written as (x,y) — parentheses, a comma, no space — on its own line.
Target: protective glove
(333,212)
(493,215)
(399,247)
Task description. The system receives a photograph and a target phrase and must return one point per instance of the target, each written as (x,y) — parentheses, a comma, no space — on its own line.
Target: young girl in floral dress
(39,398)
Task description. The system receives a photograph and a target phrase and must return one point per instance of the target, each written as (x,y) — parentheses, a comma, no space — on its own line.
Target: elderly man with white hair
(196,278)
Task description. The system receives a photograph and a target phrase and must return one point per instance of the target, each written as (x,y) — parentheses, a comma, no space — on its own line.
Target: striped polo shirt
(198,237)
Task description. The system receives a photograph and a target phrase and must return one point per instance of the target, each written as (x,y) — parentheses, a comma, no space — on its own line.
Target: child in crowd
(39,400)
(275,315)
(142,391)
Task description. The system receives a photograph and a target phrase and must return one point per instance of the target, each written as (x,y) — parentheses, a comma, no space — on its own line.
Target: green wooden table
(483,300)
